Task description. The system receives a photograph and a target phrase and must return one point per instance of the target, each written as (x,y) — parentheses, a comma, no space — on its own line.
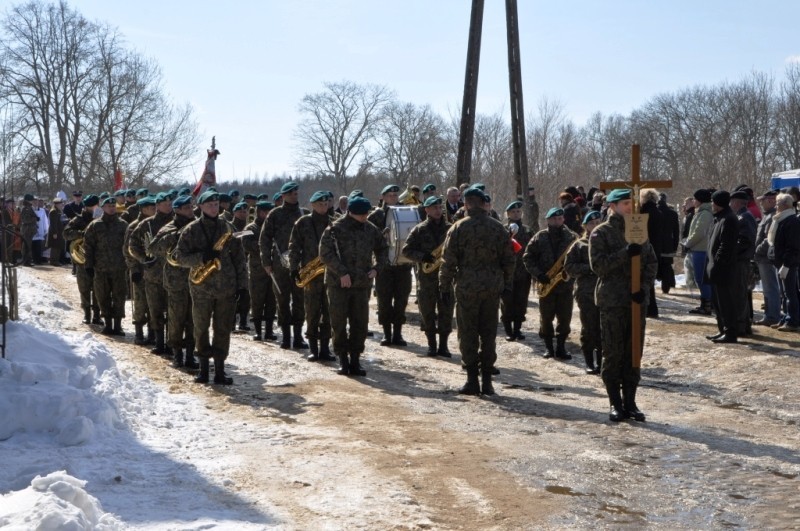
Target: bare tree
(336,126)
(787,120)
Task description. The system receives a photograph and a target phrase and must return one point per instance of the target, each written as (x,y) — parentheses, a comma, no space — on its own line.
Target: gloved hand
(89,272)
(638,297)
(210,254)
(507,292)
(428,258)
(295,275)
(783,272)
(240,293)
(446,297)
(543,278)
(634,249)
(136,277)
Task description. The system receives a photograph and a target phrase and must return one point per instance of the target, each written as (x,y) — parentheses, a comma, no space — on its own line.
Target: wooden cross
(636,232)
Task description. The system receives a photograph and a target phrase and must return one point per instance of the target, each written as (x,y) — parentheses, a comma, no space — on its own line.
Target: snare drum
(400,220)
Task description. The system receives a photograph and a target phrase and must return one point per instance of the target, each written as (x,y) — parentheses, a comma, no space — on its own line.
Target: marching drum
(399,222)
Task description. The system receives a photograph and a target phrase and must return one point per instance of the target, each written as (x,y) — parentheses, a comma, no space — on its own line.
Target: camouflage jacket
(103,242)
(250,246)
(277,230)
(523,236)
(203,234)
(578,267)
(545,248)
(304,241)
(612,265)
(349,247)
(477,256)
(138,246)
(28,220)
(134,266)
(424,239)
(77,226)
(131,214)
(238,224)
(165,241)
(461,213)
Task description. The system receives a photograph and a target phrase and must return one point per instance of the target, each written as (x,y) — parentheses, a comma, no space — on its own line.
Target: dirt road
(401,449)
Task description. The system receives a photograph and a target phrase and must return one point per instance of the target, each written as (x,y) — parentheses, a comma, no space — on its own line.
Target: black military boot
(472,387)
(108,329)
(705,308)
(509,331)
(118,327)
(298,337)
(269,335)
(313,346)
(443,350)
(617,413)
(517,328)
(96,316)
(286,340)
(219,372)
(243,322)
(344,365)
(189,362)
(202,377)
(588,356)
(177,358)
(151,335)
(87,315)
(325,350)
(138,338)
(561,349)
(387,335)
(629,403)
(355,366)
(397,336)
(257,326)
(486,382)
(432,351)
(548,345)
(159,349)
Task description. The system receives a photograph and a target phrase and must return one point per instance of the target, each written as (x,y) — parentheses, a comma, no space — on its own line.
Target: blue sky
(245,64)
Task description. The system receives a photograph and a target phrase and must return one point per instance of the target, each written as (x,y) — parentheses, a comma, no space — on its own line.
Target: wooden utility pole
(467,135)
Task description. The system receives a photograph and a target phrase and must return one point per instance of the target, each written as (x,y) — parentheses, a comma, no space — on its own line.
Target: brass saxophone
(199,274)
(310,271)
(438,255)
(556,274)
(77,251)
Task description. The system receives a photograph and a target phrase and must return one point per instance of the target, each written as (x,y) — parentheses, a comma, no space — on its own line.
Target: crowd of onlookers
(32,231)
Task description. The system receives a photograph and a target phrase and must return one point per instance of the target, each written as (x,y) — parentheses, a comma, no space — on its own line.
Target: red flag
(117,179)
(209,177)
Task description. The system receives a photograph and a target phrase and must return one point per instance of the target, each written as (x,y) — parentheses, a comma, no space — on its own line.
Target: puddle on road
(619,509)
(558,489)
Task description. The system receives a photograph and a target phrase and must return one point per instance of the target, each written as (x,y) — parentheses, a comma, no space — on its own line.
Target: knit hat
(721,198)
(703,195)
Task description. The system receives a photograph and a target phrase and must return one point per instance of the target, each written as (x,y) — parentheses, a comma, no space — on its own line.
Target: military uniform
(578,267)
(140,311)
(103,243)
(243,304)
(514,305)
(349,247)
(262,296)
(542,252)
(75,229)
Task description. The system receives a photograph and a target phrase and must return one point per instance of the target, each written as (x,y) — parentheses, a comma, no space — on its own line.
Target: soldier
(578,267)
(304,248)
(425,245)
(55,232)
(428,191)
(74,230)
(74,208)
(153,267)
(262,297)
(479,263)
(105,264)
(239,221)
(132,212)
(145,208)
(462,212)
(721,268)
(354,252)
(547,248)
(514,307)
(201,243)
(28,226)
(393,285)
(610,258)
(180,328)
(274,245)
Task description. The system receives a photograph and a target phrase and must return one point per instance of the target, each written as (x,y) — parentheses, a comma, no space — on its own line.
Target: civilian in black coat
(721,268)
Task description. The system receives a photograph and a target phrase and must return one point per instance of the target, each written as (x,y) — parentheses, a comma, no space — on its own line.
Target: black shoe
(517,328)
(177,358)
(189,363)
(588,357)
(257,326)
(432,348)
(118,327)
(344,365)
(325,351)
(138,338)
(387,336)
(202,378)
(314,347)
(286,340)
(561,349)
(726,338)
(397,336)
(243,322)
(472,387)
(108,329)
(715,336)
(87,316)
(219,372)
(486,384)
(355,366)
(617,414)
(96,317)
(443,350)
(629,399)
(509,332)
(298,337)
(269,335)
(549,350)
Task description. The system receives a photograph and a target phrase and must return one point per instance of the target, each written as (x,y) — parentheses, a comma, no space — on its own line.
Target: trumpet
(199,274)
(77,251)
(438,255)
(310,271)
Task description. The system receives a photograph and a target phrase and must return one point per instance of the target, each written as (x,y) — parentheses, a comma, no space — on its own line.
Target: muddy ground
(720,448)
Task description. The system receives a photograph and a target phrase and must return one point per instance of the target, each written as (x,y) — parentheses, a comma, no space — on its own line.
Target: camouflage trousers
(393,286)
(318,320)
(590,324)
(86,289)
(141,314)
(435,315)
(348,306)
(476,315)
(110,288)
(616,339)
(290,299)
(515,306)
(217,311)
(557,305)
(156,304)
(262,297)
(180,327)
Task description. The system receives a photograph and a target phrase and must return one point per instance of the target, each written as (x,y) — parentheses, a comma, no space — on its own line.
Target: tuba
(438,255)
(407,197)
(77,252)
(310,271)
(199,274)
(556,274)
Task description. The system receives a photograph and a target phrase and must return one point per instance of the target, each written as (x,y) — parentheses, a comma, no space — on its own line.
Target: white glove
(513,228)
(783,272)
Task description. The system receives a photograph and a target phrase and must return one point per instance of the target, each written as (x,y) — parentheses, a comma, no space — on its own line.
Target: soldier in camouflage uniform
(132,212)
(105,264)
(75,229)
(354,252)
(153,268)
(262,296)
(273,242)
(578,267)
(420,245)
(610,258)
(542,252)
(461,213)
(514,307)
(145,207)
(303,248)
(479,261)
(180,328)
(239,222)
(214,299)
(393,285)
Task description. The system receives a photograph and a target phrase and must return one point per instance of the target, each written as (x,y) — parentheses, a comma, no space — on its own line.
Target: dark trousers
(110,288)
(617,367)
(393,286)
(141,314)
(348,306)
(86,289)
(477,328)
(262,296)
(557,305)
(217,311)
(156,304)
(514,307)
(290,299)
(727,303)
(435,315)
(590,324)
(318,320)
(180,327)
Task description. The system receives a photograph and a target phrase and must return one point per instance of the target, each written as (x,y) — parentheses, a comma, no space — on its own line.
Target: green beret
(487,198)
(358,205)
(28,197)
(433,201)
(182,200)
(130,192)
(389,188)
(162,196)
(329,194)
(356,193)
(474,192)
(119,193)
(428,188)
(514,204)
(289,187)
(318,196)
(184,191)
(241,205)
(207,196)
(233,193)
(108,201)
(104,195)
(91,200)
(479,186)
(264,205)
(142,192)
(276,196)
(262,197)
(148,200)
(555,211)
(224,198)
(252,197)
(618,194)
(591,215)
